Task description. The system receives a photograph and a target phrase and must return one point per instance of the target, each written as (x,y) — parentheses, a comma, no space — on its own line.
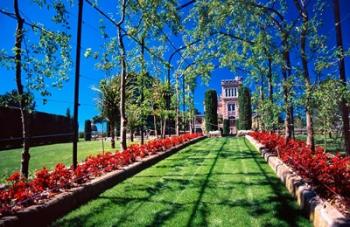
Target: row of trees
(285,56)
(244,120)
(250,37)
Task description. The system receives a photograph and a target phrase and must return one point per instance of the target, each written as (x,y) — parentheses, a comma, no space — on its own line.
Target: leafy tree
(46,59)
(134,114)
(245,109)
(108,101)
(211,106)
(342,76)
(268,113)
(158,101)
(329,106)
(11,99)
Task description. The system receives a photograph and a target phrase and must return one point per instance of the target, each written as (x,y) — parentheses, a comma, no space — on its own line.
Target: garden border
(44,214)
(320,212)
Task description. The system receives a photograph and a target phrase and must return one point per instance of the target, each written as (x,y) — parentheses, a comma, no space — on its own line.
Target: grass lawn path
(49,156)
(215,182)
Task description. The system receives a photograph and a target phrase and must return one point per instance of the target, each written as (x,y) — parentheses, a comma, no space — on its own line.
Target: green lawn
(48,155)
(215,182)
(331,145)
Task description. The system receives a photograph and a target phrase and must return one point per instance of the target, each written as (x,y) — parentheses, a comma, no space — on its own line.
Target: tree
(329,113)
(48,58)
(308,35)
(245,109)
(241,33)
(134,119)
(108,101)
(158,102)
(68,115)
(211,114)
(87,130)
(342,76)
(11,99)
(226,127)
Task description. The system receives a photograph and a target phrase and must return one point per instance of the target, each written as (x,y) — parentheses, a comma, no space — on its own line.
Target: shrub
(330,173)
(211,115)
(245,109)
(47,183)
(226,127)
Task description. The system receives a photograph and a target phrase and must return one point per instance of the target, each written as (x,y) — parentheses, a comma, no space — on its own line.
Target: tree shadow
(148,190)
(285,207)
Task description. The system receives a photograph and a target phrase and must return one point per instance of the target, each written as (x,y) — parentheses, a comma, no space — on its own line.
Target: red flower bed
(329,173)
(45,184)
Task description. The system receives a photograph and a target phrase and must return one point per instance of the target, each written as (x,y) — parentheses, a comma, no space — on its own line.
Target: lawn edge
(320,212)
(58,206)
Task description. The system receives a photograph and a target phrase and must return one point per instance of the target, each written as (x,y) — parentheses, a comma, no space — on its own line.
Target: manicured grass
(48,156)
(215,182)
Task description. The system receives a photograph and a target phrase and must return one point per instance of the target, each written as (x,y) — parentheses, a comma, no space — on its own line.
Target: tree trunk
(270,85)
(155,126)
(286,71)
(111,132)
(22,104)
(123,119)
(142,87)
(342,76)
(310,141)
(164,127)
(177,122)
(161,127)
(132,135)
(190,125)
(183,104)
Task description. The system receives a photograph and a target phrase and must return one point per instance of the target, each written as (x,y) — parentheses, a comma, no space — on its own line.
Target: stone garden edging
(44,214)
(320,212)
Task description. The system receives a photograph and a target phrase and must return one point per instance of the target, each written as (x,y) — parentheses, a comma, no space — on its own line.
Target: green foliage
(226,127)
(108,99)
(12,99)
(133,112)
(268,114)
(211,115)
(245,109)
(87,130)
(328,96)
(46,58)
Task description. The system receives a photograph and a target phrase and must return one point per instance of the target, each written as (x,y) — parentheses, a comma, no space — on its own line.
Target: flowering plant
(328,172)
(21,193)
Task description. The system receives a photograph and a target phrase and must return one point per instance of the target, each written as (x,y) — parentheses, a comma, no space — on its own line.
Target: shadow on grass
(149,191)
(202,189)
(282,199)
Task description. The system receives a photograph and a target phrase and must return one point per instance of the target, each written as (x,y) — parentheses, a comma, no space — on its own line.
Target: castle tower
(228,102)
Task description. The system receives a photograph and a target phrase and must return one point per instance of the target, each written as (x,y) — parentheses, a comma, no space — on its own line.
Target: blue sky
(63,99)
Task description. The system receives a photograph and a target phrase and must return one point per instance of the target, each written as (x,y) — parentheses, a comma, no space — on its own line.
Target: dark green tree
(211,115)
(68,115)
(12,99)
(226,129)
(87,130)
(245,109)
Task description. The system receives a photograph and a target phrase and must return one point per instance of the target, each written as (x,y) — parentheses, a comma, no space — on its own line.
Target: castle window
(231,107)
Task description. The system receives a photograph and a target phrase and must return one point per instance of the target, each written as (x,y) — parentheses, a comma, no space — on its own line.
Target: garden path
(215,182)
